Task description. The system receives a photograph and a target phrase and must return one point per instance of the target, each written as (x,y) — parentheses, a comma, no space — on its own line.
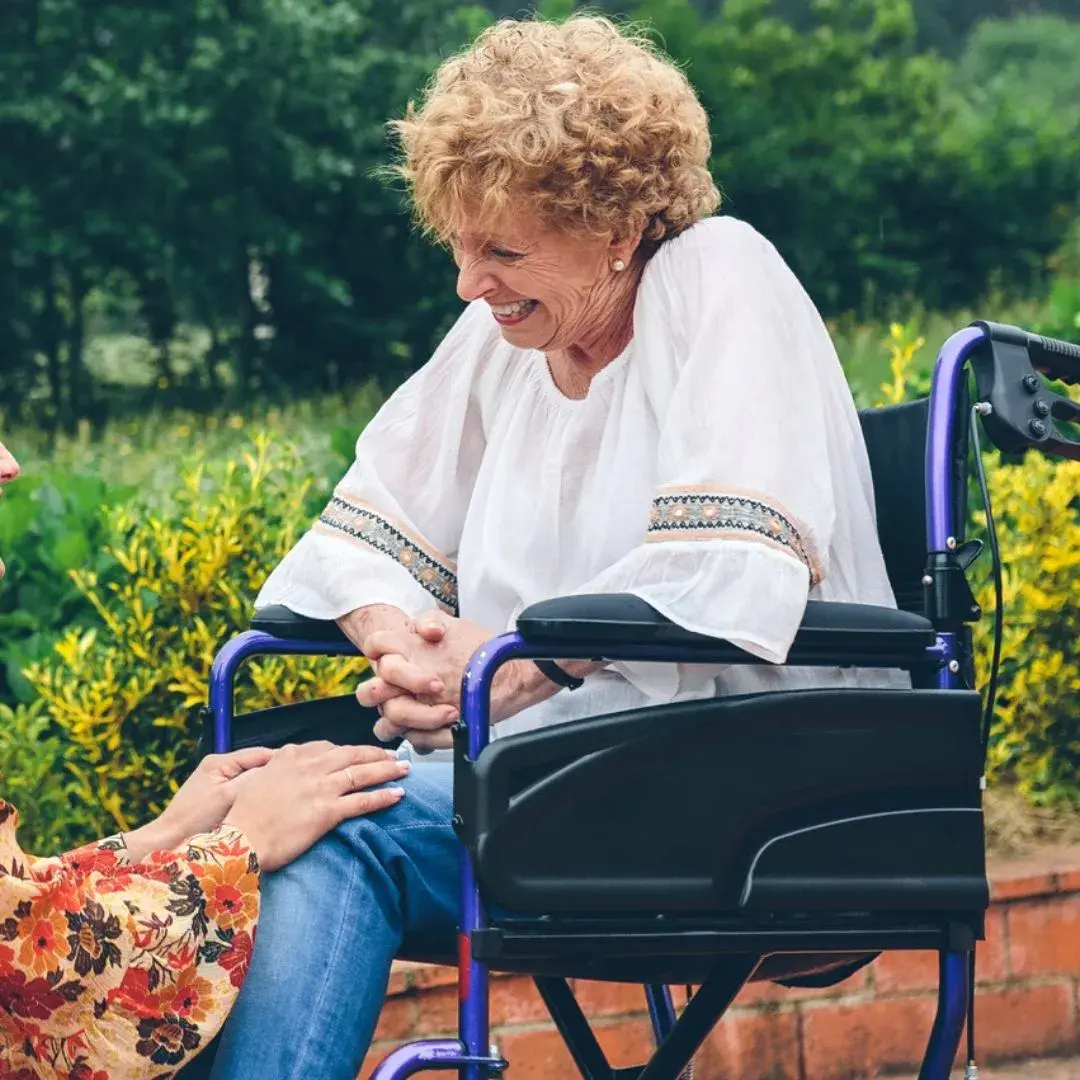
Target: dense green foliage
(208,163)
(195,182)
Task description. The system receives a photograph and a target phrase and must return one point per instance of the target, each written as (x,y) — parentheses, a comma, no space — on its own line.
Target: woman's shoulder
(712,264)
(713,243)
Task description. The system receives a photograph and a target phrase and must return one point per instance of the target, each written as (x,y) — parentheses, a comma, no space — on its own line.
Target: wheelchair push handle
(1055,358)
(1009,374)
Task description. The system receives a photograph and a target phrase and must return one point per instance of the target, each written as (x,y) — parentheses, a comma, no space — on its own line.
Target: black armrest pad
(830,633)
(283,623)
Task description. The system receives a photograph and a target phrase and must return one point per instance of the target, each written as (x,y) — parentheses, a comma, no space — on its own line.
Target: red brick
(610,999)
(397,1019)
(425,975)
(542,1055)
(375,1058)
(992,963)
(536,1055)
(1041,870)
(907,972)
(625,1042)
(903,972)
(768,993)
(1020,888)
(1044,937)
(513,1001)
(400,981)
(1042,873)
(1025,1020)
(1069,881)
(516,1001)
(845,1042)
(752,1045)
(436,1012)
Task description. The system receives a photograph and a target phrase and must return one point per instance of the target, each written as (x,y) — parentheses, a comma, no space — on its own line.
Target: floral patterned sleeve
(115,971)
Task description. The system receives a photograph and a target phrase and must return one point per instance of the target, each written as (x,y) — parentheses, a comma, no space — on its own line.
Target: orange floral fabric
(112,971)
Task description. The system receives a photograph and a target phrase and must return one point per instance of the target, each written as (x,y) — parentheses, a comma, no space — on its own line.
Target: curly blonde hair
(585,123)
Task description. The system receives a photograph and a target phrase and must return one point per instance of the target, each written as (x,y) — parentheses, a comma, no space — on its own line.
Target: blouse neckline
(604,375)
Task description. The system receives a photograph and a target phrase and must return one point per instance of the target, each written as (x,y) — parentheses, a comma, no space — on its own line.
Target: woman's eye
(502,253)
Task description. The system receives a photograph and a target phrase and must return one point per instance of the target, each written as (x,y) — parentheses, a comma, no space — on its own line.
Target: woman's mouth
(512,314)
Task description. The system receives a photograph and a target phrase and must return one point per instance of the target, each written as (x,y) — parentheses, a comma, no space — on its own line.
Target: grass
(1014,826)
(149,451)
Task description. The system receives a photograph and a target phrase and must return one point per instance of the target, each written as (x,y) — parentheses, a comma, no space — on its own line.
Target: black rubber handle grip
(1058,359)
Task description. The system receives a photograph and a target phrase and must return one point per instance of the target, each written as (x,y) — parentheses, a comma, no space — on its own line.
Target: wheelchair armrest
(831,634)
(283,623)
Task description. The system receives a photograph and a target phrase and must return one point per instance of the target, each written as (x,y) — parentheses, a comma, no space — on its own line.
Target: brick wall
(877,1021)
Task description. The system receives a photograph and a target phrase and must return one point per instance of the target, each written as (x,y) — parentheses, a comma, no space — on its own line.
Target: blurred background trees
(188,211)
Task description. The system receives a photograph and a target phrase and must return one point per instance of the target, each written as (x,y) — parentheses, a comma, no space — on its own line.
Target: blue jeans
(330,926)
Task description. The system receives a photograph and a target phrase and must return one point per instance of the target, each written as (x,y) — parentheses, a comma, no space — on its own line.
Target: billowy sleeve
(390,533)
(756,415)
(126,968)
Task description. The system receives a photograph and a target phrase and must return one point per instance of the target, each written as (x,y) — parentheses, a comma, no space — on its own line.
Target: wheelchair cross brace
(941,651)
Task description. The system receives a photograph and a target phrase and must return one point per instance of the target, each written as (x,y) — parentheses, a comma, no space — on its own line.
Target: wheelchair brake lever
(968,552)
(1022,407)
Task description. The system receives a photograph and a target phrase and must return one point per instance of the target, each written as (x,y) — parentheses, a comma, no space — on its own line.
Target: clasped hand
(417,682)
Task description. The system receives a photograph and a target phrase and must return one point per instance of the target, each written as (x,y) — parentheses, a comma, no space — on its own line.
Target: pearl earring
(618,265)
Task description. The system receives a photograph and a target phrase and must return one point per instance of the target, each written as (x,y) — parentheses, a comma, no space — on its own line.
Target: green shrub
(1035,739)
(53,522)
(124,697)
(34,780)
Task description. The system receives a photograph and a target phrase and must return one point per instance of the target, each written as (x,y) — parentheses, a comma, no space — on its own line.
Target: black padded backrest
(896,443)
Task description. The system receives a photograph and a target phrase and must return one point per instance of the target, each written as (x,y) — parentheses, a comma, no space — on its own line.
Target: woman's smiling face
(547,290)
(9,469)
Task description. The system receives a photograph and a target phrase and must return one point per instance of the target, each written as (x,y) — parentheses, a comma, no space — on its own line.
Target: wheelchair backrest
(896,443)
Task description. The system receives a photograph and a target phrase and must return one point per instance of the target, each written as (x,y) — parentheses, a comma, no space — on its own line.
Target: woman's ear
(624,246)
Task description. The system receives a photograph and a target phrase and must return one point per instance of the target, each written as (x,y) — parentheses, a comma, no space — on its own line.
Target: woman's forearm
(153,836)
(521,684)
(358,624)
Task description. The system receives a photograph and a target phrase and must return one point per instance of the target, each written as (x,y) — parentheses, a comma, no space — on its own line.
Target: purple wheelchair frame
(471,1054)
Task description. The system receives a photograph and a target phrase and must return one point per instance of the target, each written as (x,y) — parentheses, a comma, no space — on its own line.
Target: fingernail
(405,765)
(397,792)
(436,686)
(452,715)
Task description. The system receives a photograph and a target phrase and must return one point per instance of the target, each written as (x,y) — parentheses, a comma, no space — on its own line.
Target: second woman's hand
(307,790)
(202,801)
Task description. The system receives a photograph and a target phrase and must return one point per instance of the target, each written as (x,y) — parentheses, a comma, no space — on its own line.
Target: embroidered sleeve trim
(701,514)
(350,517)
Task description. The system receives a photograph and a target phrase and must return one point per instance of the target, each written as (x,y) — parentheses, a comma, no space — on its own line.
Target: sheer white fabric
(716,470)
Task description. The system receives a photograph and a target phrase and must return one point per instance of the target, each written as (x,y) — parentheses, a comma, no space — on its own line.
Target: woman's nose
(9,467)
(473,280)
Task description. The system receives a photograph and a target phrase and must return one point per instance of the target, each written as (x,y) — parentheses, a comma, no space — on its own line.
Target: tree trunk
(51,337)
(80,394)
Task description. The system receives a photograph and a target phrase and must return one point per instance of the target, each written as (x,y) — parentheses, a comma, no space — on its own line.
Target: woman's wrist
(156,835)
(521,684)
(361,622)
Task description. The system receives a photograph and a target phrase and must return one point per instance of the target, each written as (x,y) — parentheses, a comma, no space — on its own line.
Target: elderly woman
(638,398)
(119,961)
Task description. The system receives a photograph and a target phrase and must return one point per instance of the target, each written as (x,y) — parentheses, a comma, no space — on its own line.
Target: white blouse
(716,469)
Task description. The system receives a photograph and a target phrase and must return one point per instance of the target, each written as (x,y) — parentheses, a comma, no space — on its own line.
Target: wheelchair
(827,825)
